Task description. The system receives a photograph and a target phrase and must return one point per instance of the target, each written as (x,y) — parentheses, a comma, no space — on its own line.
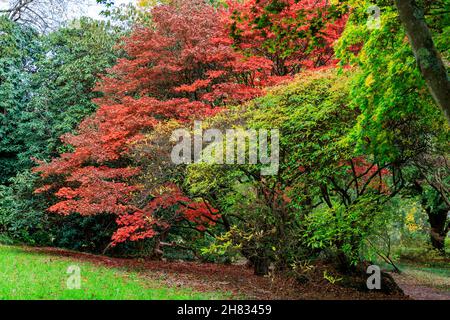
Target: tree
(430,63)
(48,100)
(42,15)
(19,47)
(434,201)
(324,197)
(400,123)
(54,91)
(72,61)
(332,190)
(181,68)
(294,35)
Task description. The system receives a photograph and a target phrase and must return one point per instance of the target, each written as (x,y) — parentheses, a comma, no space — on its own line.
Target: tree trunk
(261,266)
(439,228)
(430,63)
(257,259)
(159,244)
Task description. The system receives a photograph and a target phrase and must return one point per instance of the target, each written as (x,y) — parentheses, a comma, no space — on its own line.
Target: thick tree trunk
(257,260)
(438,219)
(439,229)
(428,58)
(261,266)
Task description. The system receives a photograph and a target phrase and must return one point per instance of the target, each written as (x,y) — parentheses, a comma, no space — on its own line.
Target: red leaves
(293,34)
(200,213)
(67,193)
(134,227)
(370,175)
(198,84)
(96,192)
(186,55)
(144,223)
(180,69)
(183,68)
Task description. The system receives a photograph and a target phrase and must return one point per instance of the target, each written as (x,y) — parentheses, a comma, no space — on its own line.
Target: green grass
(26,275)
(436,277)
(426,266)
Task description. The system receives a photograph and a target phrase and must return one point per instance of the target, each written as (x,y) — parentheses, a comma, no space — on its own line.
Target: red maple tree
(182,68)
(293,34)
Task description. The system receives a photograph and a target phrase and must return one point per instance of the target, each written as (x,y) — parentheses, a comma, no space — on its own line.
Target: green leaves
(47,86)
(398,115)
(18,49)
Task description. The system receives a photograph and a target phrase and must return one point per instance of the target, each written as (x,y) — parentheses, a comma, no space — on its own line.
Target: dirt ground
(238,280)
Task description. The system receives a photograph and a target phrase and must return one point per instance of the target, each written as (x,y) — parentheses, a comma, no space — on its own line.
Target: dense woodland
(87,109)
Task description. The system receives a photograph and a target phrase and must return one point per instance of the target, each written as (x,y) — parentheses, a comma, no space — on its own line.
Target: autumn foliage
(292,34)
(186,66)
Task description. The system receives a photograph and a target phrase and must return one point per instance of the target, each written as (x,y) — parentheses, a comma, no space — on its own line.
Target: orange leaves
(67,193)
(44,188)
(134,227)
(214,74)
(182,68)
(293,34)
(200,213)
(144,224)
(370,175)
(198,84)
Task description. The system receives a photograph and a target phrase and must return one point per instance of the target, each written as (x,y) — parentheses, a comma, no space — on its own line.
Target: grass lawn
(34,276)
(432,276)
(424,266)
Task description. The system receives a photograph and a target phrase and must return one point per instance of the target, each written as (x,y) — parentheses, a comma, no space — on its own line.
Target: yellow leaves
(369,80)
(142,3)
(150,3)
(410,221)
(352,3)
(330,278)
